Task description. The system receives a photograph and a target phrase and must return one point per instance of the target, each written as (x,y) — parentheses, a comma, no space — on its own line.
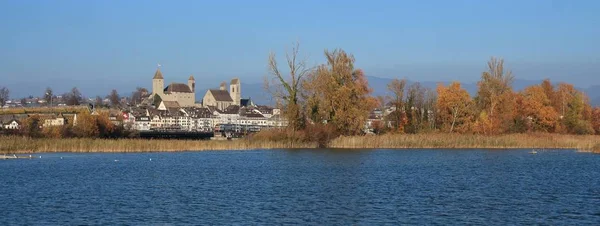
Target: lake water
(307,187)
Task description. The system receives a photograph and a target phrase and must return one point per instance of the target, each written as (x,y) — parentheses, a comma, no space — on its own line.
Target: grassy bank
(27,145)
(537,141)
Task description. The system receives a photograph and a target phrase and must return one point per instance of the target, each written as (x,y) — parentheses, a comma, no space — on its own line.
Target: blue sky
(101,45)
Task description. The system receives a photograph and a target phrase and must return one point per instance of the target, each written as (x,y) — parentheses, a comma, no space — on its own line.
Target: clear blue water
(308,187)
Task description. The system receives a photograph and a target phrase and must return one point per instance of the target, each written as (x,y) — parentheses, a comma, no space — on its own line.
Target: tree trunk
(454,119)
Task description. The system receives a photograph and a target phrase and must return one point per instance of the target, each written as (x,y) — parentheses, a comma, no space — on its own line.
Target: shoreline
(582,143)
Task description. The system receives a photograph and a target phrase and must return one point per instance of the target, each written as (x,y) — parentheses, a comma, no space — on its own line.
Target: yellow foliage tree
(483,124)
(52,131)
(86,125)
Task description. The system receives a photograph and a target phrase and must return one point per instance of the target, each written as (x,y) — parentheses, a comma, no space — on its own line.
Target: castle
(185,95)
(179,92)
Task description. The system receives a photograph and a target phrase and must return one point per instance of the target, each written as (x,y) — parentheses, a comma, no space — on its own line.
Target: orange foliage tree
(496,97)
(86,125)
(339,94)
(454,104)
(536,109)
(596,120)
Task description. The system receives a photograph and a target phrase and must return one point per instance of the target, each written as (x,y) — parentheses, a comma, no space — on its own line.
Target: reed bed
(534,141)
(23,145)
(43,110)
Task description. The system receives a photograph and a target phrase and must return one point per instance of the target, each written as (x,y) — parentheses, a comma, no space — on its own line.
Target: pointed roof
(235,81)
(158,74)
(192,78)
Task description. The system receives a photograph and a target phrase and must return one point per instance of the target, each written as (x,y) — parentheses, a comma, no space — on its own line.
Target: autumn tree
(563,96)
(31,126)
(454,105)
(550,92)
(286,87)
(398,115)
(495,96)
(106,129)
(53,131)
(339,94)
(596,120)
(86,125)
(536,110)
(575,118)
(4,96)
(74,97)
(115,99)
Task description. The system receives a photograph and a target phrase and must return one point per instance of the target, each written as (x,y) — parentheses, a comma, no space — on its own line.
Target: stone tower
(158,83)
(235,90)
(192,83)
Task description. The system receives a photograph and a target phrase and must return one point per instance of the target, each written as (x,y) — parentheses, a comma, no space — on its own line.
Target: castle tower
(192,83)
(158,83)
(235,90)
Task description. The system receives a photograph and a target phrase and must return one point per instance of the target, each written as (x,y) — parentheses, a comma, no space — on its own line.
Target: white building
(142,123)
(56,121)
(12,125)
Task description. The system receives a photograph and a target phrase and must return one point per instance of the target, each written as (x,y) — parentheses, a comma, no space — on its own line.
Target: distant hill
(379,85)
(594,93)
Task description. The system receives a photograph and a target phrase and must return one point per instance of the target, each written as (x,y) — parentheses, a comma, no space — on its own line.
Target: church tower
(158,83)
(235,90)
(192,83)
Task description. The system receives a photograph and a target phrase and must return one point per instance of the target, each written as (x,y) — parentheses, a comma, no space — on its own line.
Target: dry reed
(22,145)
(15,144)
(43,110)
(435,140)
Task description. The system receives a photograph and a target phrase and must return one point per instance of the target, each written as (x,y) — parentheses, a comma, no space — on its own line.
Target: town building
(222,98)
(58,120)
(13,124)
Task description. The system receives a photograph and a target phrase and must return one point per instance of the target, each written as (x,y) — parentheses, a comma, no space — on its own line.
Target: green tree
(157,100)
